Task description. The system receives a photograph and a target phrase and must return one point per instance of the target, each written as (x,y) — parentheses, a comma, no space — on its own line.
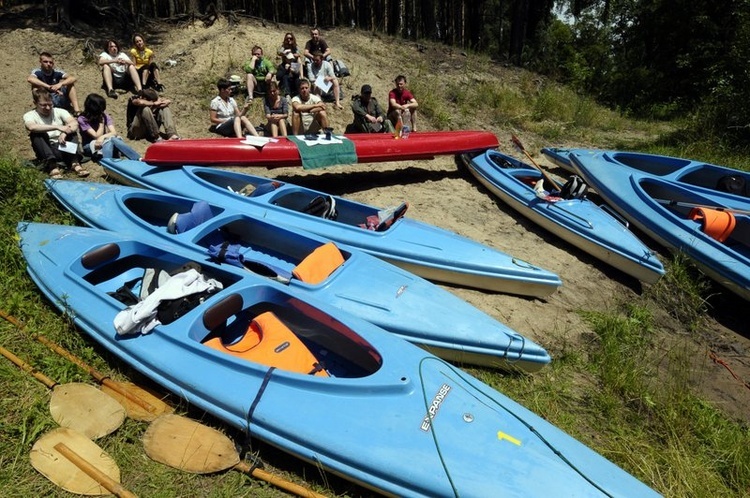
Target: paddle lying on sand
(517,142)
(187,445)
(78,406)
(76,464)
(139,403)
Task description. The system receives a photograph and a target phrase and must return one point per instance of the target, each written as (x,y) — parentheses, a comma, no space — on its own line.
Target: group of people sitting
(57,118)
(294,92)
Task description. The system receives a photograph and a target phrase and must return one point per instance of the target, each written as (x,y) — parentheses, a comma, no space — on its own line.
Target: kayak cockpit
(281,331)
(122,270)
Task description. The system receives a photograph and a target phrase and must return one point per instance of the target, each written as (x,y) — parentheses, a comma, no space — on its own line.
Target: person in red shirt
(402,104)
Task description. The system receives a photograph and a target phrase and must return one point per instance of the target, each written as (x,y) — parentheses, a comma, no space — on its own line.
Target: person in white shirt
(308,111)
(118,70)
(50,130)
(226,118)
(321,72)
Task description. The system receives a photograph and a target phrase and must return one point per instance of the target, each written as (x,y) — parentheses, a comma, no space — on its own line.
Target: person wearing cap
(290,70)
(368,115)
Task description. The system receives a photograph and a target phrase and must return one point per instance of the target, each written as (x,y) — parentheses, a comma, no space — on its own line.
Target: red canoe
(370,148)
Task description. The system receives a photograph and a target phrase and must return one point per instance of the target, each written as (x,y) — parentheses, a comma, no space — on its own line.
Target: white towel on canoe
(141,317)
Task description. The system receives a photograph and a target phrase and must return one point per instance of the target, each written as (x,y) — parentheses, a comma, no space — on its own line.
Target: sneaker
(112,93)
(159,87)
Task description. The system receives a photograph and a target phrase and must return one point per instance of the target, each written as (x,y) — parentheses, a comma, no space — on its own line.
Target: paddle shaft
(277,481)
(101,378)
(103,479)
(667,202)
(28,368)
(518,143)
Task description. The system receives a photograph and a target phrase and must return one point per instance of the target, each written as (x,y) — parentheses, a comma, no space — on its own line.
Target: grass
(630,394)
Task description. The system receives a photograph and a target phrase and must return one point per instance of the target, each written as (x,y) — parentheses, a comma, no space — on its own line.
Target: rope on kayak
(531,428)
(432,425)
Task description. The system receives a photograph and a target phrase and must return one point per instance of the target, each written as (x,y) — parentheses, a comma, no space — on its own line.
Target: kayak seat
(319,264)
(526,176)
(716,224)
(270,342)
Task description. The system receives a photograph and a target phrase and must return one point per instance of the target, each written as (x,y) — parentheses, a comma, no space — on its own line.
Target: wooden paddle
(75,463)
(185,444)
(77,406)
(517,142)
(139,403)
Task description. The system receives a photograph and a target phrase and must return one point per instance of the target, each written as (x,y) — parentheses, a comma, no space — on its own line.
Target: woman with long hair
(277,111)
(147,69)
(98,133)
(291,68)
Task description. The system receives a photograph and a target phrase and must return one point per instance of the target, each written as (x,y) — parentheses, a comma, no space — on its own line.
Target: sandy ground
(437,191)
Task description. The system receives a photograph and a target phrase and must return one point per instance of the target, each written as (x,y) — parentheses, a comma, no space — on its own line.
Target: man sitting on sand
(147,113)
(309,112)
(54,135)
(368,115)
(60,84)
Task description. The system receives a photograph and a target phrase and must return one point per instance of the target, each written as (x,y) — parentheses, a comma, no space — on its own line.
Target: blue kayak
(559,157)
(394,299)
(578,221)
(713,233)
(730,186)
(426,250)
(373,408)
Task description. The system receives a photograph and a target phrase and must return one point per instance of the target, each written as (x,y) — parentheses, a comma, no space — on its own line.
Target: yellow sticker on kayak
(501,435)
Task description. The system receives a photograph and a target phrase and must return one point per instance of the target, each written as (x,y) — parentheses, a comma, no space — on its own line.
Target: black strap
(223,251)
(254,404)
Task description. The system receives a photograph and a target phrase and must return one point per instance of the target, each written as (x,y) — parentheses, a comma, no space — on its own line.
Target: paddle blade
(187,445)
(53,465)
(86,409)
(139,403)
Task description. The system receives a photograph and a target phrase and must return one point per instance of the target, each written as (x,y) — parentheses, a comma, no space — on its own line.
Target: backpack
(340,69)
(323,207)
(574,188)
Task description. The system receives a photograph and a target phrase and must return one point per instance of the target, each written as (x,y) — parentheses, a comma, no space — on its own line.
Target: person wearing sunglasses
(291,68)
(260,70)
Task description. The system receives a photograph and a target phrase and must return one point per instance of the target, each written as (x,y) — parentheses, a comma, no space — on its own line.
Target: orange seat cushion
(319,264)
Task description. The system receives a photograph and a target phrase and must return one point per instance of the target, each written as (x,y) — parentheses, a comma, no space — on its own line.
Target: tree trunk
(518,30)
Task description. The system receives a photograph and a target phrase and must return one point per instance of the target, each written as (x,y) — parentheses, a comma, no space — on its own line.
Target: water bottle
(406,117)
